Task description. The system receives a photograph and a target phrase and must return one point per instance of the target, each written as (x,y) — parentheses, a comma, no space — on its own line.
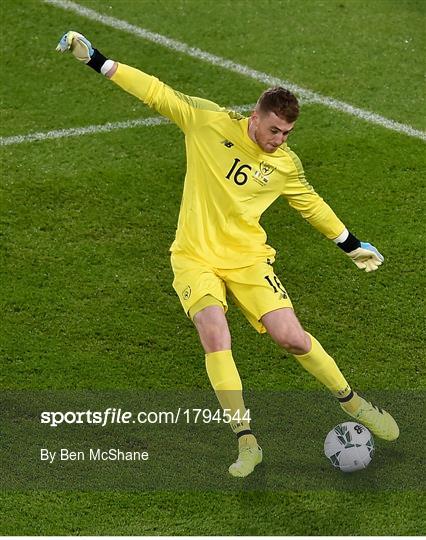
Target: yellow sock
(352,404)
(320,364)
(226,382)
(247,440)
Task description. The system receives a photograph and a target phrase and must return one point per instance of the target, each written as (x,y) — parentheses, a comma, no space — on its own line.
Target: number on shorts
(277,286)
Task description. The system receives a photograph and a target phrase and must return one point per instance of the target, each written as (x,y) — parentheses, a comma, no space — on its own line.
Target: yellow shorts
(255,289)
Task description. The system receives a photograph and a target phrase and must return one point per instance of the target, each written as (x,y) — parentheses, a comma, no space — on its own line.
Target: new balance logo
(227,143)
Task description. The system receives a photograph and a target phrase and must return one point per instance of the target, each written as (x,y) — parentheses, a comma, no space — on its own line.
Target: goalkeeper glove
(366,257)
(82,49)
(363,254)
(76,43)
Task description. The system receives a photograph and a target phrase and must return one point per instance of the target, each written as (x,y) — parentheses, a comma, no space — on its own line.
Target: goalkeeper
(236,168)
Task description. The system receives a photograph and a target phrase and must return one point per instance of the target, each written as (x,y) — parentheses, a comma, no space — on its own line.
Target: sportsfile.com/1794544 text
(113,415)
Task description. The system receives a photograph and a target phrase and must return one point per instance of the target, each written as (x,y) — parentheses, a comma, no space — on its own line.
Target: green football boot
(378,421)
(248,458)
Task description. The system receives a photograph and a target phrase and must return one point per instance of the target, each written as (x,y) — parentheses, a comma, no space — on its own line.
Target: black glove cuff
(350,244)
(97,60)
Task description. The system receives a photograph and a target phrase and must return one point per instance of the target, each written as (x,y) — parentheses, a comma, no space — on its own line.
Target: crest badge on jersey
(261,175)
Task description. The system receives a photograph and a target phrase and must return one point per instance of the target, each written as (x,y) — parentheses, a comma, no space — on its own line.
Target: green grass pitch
(86,223)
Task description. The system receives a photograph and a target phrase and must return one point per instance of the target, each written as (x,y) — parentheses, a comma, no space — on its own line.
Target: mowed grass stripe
(305,94)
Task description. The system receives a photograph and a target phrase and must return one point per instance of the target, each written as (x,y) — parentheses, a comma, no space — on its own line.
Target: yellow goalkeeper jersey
(229,180)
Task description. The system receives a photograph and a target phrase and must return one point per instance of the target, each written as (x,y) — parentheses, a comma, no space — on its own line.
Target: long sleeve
(302,197)
(179,108)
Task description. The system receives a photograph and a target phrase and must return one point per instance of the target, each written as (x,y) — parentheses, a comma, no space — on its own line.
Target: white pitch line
(305,94)
(77,132)
(93,129)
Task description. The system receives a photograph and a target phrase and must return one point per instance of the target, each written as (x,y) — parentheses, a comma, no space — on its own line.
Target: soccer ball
(349,447)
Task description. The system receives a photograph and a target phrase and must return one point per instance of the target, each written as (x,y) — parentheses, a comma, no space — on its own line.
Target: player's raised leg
(285,329)
(209,318)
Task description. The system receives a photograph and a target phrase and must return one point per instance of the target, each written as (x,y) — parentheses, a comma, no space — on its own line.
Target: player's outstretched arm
(302,197)
(363,254)
(179,108)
